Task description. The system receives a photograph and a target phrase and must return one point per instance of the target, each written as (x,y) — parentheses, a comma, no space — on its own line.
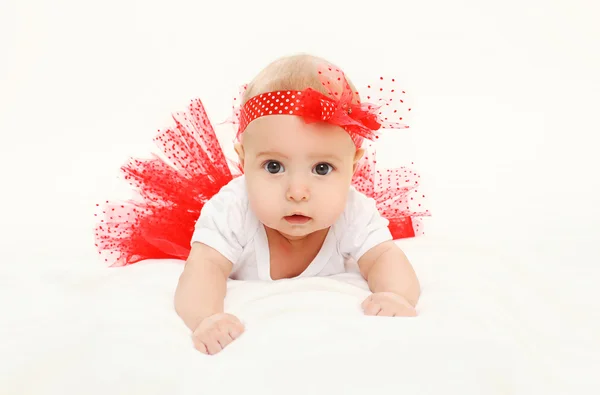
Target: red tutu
(172,190)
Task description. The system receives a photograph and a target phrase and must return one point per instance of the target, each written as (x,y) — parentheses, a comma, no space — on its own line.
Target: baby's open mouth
(297,219)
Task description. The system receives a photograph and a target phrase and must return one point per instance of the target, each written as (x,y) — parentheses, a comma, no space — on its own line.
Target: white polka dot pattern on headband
(271,103)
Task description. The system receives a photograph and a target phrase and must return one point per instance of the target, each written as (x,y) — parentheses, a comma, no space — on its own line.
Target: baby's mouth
(297,219)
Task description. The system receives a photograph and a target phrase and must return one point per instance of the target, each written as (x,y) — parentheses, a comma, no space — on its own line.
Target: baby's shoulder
(224,222)
(230,203)
(362,226)
(358,208)
(232,194)
(358,204)
(227,214)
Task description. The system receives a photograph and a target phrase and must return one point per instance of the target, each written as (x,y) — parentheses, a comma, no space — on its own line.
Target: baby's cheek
(263,210)
(265,201)
(333,205)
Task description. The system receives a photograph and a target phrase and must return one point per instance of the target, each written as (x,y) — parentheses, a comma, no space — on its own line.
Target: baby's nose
(298,191)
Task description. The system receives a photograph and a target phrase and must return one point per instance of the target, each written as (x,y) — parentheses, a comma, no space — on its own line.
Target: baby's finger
(198,345)
(365,302)
(224,338)
(231,321)
(372,309)
(406,311)
(386,312)
(212,345)
(236,330)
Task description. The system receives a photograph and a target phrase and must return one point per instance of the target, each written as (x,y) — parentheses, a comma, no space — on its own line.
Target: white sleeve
(221,222)
(364,228)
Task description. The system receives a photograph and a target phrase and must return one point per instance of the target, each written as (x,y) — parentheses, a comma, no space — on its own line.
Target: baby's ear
(239,149)
(357,157)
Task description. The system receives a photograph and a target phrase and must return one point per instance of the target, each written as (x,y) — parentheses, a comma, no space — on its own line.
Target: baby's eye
(273,167)
(323,169)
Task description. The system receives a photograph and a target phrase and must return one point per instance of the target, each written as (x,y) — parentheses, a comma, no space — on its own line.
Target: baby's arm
(202,285)
(199,299)
(392,280)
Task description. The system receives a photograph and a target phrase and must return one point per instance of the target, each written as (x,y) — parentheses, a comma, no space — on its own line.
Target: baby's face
(298,175)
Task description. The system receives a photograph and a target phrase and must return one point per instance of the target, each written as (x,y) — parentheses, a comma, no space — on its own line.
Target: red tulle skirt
(171,189)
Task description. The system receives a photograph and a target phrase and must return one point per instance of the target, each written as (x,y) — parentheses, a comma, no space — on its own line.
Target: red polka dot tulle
(172,189)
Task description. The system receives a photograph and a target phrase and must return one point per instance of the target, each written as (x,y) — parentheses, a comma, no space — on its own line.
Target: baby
(293,213)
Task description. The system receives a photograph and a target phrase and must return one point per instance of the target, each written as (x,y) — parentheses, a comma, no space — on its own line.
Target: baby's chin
(298,232)
(295,234)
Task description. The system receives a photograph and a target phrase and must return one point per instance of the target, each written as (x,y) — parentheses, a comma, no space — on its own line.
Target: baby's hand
(215,332)
(388,304)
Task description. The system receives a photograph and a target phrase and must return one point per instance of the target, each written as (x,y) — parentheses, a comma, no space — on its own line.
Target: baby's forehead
(288,128)
(301,142)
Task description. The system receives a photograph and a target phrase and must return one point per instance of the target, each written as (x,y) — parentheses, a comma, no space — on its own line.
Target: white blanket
(485,326)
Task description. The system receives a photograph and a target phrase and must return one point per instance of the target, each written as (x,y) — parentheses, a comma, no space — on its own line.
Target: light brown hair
(295,72)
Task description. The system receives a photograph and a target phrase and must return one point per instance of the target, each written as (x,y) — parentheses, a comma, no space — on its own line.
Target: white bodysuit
(228,225)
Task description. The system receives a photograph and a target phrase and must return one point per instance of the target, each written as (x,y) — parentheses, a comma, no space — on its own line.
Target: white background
(504,131)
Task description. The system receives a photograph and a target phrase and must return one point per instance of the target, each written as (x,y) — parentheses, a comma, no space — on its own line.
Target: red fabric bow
(356,119)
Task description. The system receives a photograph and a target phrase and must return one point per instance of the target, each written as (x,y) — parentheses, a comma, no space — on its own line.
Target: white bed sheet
(489,323)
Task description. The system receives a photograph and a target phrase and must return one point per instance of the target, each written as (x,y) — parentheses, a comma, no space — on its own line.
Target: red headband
(360,120)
